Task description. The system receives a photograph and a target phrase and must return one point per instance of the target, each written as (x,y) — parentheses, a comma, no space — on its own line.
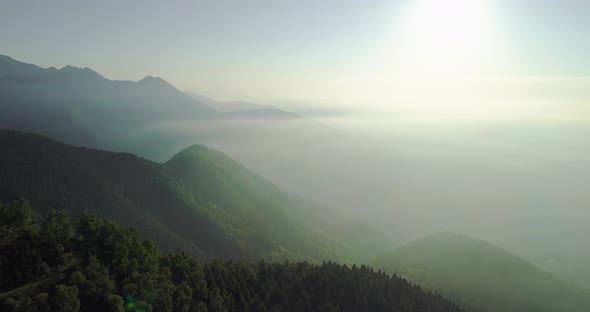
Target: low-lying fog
(521,185)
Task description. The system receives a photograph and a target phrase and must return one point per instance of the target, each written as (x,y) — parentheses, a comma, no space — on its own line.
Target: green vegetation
(90,264)
(266,221)
(481,276)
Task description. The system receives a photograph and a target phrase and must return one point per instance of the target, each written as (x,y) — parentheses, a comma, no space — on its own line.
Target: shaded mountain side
(200,200)
(90,264)
(121,187)
(481,276)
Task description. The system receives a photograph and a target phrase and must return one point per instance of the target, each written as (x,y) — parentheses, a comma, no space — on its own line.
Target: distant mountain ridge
(480,276)
(242,109)
(79,106)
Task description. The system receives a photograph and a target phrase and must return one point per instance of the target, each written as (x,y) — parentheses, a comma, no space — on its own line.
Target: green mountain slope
(481,276)
(200,200)
(264,215)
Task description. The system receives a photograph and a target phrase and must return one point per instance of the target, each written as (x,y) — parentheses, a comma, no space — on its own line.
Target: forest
(55,262)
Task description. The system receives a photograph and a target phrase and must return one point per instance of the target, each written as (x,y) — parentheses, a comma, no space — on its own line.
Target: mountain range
(199,200)
(79,106)
(195,198)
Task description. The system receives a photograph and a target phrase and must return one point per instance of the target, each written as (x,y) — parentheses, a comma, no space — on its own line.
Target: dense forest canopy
(59,263)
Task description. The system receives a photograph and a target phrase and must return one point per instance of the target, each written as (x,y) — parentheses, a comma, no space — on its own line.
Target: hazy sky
(425,56)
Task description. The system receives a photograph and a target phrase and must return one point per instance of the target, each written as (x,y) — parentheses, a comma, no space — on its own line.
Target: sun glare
(452,37)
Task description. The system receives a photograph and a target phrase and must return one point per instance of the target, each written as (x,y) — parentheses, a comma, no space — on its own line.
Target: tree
(216,301)
(16,216)
(66,298)
(200,307)
(182,297)
(115,303)
(56,226)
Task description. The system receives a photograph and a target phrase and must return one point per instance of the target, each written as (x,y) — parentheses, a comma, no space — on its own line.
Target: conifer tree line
(59,263)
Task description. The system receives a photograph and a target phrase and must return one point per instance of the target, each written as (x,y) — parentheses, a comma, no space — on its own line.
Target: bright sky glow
(453,37)
(433,57)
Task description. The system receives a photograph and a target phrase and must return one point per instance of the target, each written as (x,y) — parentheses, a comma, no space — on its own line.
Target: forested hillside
(90,264)
(481,276)
(200,201)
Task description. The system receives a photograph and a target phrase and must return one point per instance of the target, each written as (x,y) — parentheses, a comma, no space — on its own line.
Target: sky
(420,57)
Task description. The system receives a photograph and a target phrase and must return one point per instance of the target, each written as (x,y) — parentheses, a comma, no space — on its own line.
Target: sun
(436,54)
(448,37)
